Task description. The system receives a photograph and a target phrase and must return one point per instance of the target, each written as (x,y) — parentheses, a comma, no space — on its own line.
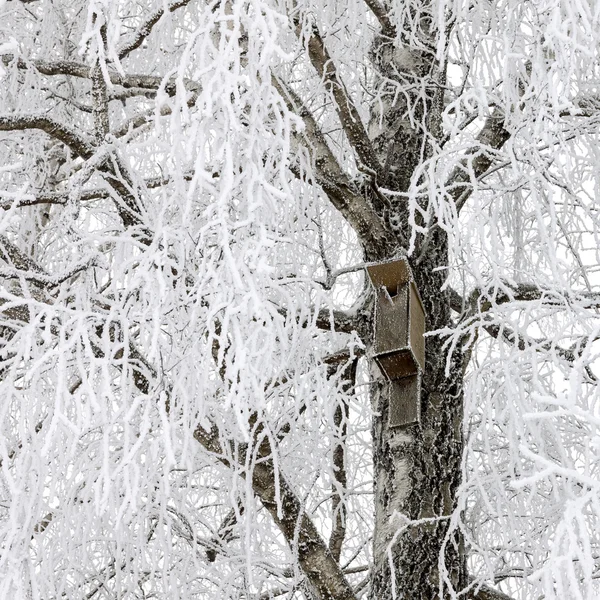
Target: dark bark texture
(417,468)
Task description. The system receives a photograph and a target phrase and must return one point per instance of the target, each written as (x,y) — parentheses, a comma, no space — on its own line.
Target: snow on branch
(79,145)
(136,39)
(349,117)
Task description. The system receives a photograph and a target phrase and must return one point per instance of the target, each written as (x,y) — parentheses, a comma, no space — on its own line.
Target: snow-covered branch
(349,117)
(79,145)
(276,495)
(137,38)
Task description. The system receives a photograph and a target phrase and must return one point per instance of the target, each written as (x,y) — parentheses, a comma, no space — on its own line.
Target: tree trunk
(417,468)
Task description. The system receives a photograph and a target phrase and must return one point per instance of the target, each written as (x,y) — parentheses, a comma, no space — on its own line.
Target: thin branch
(131,92)
(61,198)
(52,198)
(224,533)
(99,105)
(143,118)
(482,300)
(144,30)
(43,280)
(19,445)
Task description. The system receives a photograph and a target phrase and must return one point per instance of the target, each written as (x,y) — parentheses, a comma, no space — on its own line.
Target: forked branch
(347,113)
(273,490)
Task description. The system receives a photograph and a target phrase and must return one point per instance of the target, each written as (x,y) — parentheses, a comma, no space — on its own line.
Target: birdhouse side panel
(417,327)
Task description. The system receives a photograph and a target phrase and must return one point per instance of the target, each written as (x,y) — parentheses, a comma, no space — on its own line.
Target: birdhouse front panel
(399,345)
(404,401)
(391,320)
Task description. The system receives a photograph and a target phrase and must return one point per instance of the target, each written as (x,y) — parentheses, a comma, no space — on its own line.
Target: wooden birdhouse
(399,344)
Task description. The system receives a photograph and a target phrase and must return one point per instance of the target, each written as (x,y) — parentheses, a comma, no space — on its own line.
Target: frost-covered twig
(136,39)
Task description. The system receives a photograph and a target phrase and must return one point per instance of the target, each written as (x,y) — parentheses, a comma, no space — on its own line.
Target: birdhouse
(399,344)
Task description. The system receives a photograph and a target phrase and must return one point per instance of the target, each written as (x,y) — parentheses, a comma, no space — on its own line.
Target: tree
(190,195)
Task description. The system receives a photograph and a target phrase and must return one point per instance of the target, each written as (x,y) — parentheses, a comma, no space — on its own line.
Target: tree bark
(417,468)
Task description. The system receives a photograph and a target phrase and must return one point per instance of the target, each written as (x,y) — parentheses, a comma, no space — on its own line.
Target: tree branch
(347,112)
(83,71)
(387,27)
(478,159)
(138,37)
(224,533)
(340,421)
(314,557)
(354,207)
(78,144)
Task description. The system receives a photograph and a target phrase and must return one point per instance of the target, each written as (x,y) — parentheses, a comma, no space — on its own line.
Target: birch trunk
(417,469)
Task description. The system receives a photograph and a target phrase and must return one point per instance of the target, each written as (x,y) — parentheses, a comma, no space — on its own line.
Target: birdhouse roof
(390,274)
